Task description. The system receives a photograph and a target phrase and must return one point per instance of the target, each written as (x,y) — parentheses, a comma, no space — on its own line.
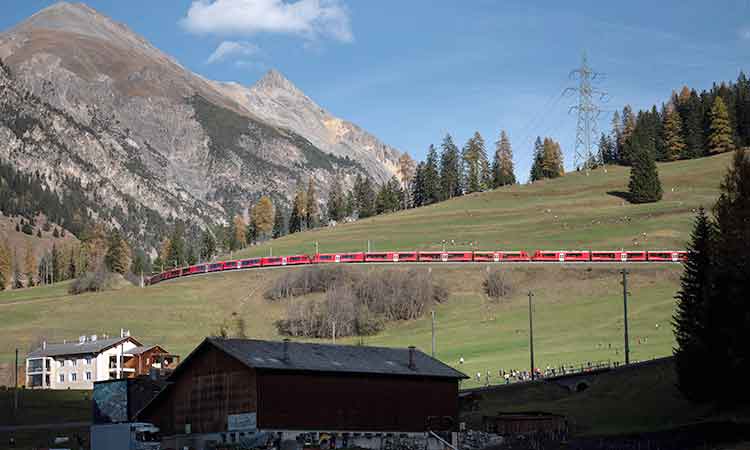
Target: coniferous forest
(690,124)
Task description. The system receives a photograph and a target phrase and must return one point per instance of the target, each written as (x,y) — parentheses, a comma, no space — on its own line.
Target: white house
(77,365)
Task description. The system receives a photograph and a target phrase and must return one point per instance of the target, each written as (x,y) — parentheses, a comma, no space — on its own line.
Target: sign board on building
(242,422)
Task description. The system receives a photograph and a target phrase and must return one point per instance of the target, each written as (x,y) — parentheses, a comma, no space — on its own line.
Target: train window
(326,257)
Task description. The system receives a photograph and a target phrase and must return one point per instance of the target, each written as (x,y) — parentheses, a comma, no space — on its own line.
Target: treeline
(713,312)
(691,124)
(449,173)
(98,251)
(28,195)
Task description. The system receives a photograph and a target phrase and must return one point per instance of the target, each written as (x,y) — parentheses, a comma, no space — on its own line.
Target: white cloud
(311,19)
(232,48)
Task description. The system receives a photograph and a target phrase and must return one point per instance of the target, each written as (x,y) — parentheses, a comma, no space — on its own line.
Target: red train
(556,256)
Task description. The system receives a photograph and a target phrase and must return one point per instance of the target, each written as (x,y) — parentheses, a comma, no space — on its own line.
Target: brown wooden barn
(228,385)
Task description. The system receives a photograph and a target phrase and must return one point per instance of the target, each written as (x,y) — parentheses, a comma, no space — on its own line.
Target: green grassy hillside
(578,309)
(578,314)
(576,211)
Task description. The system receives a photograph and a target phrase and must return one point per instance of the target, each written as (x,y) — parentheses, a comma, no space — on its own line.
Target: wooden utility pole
(433,333)
(531,335)
(15,385)
(624,273)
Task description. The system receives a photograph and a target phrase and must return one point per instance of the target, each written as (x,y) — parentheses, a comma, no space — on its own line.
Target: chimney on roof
(122,332)
(286,350)
(44,345)
(412,357)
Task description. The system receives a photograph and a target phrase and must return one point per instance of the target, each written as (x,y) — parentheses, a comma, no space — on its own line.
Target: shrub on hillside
(360,305)
(306,281)
(497,285)
(94,282)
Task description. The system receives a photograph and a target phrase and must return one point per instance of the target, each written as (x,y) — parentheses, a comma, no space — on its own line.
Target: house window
(88,376)
(73,377)
(88,360)
(62,378)
(74,361)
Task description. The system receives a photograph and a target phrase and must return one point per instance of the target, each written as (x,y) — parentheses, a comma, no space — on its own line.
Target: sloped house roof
(313,357)
(80,348)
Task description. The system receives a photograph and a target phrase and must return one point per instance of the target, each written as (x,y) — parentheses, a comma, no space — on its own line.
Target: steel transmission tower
(588,113)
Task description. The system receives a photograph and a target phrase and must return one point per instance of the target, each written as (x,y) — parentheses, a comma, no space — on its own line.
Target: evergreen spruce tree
(176,252)
(279,227)
(742,95)
(117,258)
(720,138)
(450,170)
(537,167)
(417,186)
(607,153)
(208,246)
(674,143)
(692,330)
(297,215)
(335,204)
(475,160)
(311,208)
(628,127)
(502,165)
(431,178)
(729,310)
(251,231)
(364,194)
(644,185)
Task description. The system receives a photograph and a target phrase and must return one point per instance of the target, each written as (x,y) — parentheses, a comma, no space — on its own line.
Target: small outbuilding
(227,390)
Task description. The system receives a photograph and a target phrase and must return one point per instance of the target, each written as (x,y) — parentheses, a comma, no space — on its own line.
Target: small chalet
(230,389)
(78,364)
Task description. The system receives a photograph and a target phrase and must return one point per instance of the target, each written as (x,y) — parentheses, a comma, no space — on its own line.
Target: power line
(588,112)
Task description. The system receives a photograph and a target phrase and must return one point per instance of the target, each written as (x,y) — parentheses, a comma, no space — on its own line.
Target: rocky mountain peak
(82,20)
(274,80)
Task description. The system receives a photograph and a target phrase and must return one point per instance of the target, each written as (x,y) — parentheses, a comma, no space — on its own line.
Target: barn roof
(79,348)
(304,356)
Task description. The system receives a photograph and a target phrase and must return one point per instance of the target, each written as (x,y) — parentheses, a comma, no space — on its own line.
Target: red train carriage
(297,259)
(270,261)
(322,258)
(192,270)
(249,263)
(515,256)
(230,265)
(446,256)
(617,256)
(562,255)
(501,256)
(390,257)
(216,267)
(667,256)
(487,256)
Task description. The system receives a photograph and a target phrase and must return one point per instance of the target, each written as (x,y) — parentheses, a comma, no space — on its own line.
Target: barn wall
(316,401)
(211,386)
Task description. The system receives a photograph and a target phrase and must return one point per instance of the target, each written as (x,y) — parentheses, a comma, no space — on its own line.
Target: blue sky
(411,71)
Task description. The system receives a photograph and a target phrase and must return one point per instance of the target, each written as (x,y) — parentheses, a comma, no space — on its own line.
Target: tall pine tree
(502,165)
(537,167)
(674,143)
(692,329)
(729,312)
(451,179)
(431,177)
(720,138)
(644,185)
